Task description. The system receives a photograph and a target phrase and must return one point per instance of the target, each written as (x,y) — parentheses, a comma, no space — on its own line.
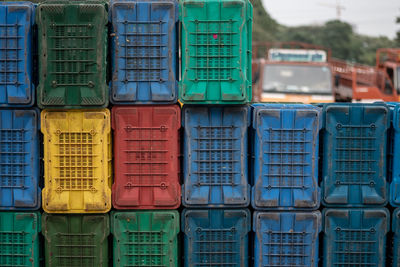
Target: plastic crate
(216,237)
(396,237)
(144,51)
(145,238)
(286,238)
(76,240)
(354,160)
(285,146)
(146,151)
(215,156)
(394,156)
(19,238)
(355,237)
(16,23)
(216,51)
(76,161)
(72,54)
(19,159)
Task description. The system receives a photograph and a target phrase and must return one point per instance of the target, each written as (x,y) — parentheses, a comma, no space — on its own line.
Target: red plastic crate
(146,157)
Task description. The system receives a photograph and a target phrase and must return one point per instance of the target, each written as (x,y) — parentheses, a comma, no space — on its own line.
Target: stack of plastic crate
(354,186)
(146,120)
(215,87)
(19,139)
(285,191)
(72,51)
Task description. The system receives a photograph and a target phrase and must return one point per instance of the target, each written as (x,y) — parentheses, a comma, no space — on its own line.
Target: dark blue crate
(286,238)
(215,156)
(19,160)
(16,85)
(216,237)
(394,160)
(396,238)
(355,236)
(144,51)
(285,146)
(354,159)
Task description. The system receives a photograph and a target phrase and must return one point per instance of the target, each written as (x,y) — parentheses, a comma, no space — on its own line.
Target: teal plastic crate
(216,51)
(19,242)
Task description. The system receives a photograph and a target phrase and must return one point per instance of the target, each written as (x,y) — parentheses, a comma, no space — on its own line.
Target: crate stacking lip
(216,51)
(286,238)
(19,159)
(76,161)
(285,149)
(19,238)
(216,237)
(146,152)
(354,160)
(394,151)
(145,238)
(355,236)
(72,54)
(144,51)
(16,22)
(215,156)
(76,240)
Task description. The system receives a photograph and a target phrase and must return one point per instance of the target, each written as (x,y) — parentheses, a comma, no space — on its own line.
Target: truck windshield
(301,79)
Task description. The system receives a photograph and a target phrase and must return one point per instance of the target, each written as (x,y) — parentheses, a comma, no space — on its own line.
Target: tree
(398,33)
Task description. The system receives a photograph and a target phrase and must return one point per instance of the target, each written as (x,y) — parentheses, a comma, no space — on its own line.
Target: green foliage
(336,35)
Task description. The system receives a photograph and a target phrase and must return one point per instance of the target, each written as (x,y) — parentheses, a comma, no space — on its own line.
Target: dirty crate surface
(75,240)
(354,157)
(146,152)
(215,156)
(145,238)
(216,237)
(19,238)
(285,146)
(19,159)
(76,161)
(216,51)
(355,237)
(144,51)
(16,39)
(72,54)
(394,151)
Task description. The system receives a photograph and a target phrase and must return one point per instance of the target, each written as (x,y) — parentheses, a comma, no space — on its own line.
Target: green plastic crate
(145,238)
(216,51)
(72,54)
(19,243)
(76,240)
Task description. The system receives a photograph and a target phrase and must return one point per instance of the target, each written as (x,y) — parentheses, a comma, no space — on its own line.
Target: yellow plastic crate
(77,161)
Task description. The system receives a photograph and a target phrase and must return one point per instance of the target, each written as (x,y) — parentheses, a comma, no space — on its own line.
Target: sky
(370,17)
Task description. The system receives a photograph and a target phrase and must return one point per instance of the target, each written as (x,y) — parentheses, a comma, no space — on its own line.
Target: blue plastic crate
(19,159)
(396,238)
(285,146)
(394,152)
(215,156)
(354,159)
(144,51)
(16,85)
(286,238)
(216,237)
(355,236)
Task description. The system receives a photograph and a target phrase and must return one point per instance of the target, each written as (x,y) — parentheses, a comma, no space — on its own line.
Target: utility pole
(339,8)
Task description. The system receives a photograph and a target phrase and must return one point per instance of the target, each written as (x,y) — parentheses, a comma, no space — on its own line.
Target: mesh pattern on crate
(212,50)
(145,248)
(216,248)
(73,249)
(216,155)
(355,247)
(12,158)
(147,156)
(14,248)
(286,249)
(144,53)
(287,154)
(76,162)
(10,54)
(74,54)
(355,154)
